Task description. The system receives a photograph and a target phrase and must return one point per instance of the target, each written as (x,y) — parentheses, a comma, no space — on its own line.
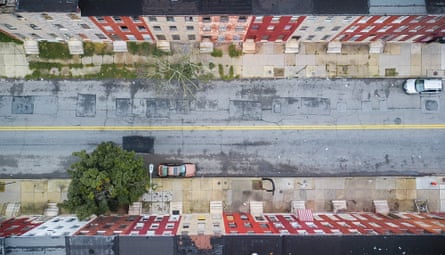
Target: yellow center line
(222,128)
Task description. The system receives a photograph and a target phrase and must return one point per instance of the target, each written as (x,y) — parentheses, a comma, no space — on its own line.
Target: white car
(415,86)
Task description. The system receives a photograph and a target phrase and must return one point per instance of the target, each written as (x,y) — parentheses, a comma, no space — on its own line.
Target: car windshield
(181,170)
(420,85)
(164,170)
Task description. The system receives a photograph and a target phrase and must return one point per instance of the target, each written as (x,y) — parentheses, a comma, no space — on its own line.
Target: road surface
(245,128)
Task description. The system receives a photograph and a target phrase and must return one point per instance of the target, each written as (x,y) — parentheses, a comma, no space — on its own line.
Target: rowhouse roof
(111,7)
(258,7)
(47,5)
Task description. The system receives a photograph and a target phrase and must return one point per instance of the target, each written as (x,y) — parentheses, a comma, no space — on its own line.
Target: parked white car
(415,86)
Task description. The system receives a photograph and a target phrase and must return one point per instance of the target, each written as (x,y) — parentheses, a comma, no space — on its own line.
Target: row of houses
(217,231)
(207,22)
(224,233)
(300,221)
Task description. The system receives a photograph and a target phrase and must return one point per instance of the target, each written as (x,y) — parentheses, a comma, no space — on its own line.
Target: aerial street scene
(236,127)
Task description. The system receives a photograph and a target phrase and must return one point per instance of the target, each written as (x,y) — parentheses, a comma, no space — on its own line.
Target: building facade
(124,28)
(406,28)
(205,21)
(273,28)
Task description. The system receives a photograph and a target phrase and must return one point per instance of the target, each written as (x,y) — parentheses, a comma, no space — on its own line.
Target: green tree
(105,180)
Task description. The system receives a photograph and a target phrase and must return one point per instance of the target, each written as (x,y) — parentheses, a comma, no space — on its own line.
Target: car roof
(433,84)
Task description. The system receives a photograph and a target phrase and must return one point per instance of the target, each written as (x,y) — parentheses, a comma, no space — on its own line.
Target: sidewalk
(13,62)
(355,61)
(194,194)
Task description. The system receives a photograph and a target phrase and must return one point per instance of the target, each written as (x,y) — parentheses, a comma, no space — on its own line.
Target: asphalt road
(248,128)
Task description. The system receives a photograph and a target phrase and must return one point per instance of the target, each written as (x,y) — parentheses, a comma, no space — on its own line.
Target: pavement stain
(252,143)
(56,87)
(381,164)
(258,90)
(8,161)
(109,86)
(16,89)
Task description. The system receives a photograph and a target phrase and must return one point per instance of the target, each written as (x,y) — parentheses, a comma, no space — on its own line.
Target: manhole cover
(397,120)
(431,105)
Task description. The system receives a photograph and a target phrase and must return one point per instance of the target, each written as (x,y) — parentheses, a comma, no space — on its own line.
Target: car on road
(416,86)
(177,170)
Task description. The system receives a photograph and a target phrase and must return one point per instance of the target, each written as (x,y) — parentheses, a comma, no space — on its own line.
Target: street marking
(220,128)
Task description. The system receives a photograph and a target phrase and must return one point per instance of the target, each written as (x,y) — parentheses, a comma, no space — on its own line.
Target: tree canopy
(105,180)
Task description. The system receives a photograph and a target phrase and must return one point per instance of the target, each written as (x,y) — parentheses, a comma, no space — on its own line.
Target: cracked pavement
(246,151)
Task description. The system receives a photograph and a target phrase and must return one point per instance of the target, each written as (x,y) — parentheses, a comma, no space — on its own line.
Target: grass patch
(206,77)
(54,50)
(42,74)
(94,48)
(35,75)
(145,49)
(111,71)
(80,65)
(217,53)
(7,38)
(234,52)
(390,72)
(44,65)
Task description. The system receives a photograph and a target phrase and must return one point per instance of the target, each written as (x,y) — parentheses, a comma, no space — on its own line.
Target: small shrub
(158,52)
(221,71)
(211,66)
(88,49)
(231,72)
(35,75)
(234,52)
(139,48)
(217,53)
(230,76)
